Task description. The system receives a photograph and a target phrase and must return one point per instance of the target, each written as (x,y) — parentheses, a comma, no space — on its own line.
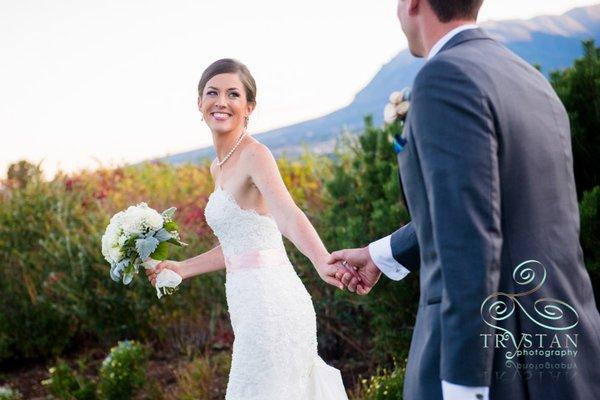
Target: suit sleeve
(405,247)
(457,148)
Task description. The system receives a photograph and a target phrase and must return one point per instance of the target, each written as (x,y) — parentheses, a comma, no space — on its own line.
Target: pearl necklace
(235,146)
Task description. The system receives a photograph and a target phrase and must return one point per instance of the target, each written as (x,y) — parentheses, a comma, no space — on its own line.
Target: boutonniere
(398,106)
(397,109)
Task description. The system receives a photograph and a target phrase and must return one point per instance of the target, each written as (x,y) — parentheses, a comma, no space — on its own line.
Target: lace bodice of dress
(239,230)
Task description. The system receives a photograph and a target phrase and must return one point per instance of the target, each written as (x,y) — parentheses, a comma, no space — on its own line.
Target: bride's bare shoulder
(257,157)
(256,152)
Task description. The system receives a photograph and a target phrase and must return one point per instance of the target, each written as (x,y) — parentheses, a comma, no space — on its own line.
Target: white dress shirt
(446,38)
(381,253)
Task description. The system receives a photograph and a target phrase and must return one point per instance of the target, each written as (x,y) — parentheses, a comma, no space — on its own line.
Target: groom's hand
(367,273)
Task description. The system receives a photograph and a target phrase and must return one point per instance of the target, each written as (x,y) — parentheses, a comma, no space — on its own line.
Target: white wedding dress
(272,315)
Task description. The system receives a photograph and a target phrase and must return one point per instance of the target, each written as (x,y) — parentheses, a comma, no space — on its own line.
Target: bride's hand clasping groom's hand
(174,266)
(366,274)
(329,271)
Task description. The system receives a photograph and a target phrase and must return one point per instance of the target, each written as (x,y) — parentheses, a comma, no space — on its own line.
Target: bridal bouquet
(140,236)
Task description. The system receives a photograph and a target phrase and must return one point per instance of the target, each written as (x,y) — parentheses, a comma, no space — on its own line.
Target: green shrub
(590,236)
(6,393)
(590,228)
(54,280)
(578,88)
(37,325)
(204,377)
(385,385)
(66,384)
(123,371)
(364,204)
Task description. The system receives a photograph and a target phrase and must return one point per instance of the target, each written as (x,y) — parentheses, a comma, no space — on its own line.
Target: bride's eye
(211,92)
(234,94)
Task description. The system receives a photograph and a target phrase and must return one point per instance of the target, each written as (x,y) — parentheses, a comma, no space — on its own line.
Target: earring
(246,119)
(202,117)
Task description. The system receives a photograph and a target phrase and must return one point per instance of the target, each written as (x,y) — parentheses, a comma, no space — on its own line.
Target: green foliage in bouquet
(123,371)
(66,384)
(135,235)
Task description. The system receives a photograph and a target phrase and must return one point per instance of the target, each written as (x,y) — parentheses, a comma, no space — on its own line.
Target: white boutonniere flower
(398,106)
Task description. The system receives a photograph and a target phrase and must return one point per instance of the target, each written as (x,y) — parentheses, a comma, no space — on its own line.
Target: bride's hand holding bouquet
(175,266)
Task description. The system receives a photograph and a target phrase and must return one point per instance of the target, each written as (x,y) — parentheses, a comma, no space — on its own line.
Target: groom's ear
(414,6)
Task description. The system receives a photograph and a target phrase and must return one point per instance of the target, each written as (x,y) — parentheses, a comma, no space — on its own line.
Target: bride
(272,315)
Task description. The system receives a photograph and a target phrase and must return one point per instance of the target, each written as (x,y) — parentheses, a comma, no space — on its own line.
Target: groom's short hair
(449,10)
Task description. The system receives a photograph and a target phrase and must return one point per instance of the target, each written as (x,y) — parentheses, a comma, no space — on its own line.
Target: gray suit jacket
(487,171)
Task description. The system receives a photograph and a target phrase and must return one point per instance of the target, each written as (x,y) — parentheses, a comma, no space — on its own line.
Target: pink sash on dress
(257,259)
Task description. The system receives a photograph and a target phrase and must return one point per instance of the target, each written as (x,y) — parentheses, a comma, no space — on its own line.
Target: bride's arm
(290,219)
(209,261)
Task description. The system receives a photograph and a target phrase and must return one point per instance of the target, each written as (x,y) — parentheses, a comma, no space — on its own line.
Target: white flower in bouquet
(397,107)
(111,248)
(139,236)
(138,218)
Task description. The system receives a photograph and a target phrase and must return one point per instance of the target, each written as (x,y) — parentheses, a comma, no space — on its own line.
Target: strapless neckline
(233,201)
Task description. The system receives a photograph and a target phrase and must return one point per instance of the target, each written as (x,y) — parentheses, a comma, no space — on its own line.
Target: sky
(89,83)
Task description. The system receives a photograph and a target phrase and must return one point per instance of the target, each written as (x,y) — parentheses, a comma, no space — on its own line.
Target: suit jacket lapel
(470,34)
(405,135)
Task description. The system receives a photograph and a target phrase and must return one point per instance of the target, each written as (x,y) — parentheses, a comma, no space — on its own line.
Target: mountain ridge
(552,41)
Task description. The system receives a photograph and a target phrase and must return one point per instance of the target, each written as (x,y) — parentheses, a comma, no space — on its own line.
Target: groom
(506,308)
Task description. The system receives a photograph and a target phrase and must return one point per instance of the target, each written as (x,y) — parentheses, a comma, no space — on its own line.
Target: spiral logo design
(548,313)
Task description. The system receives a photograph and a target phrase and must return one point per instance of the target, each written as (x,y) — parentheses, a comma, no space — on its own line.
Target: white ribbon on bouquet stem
(167,279)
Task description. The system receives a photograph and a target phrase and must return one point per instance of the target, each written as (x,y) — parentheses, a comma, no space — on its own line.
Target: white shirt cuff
(452,391)
(381,254)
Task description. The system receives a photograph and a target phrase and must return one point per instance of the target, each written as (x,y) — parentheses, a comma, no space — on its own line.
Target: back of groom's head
(450,10)
(424,22)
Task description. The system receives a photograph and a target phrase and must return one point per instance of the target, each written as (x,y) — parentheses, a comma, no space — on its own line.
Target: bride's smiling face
(224,103)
